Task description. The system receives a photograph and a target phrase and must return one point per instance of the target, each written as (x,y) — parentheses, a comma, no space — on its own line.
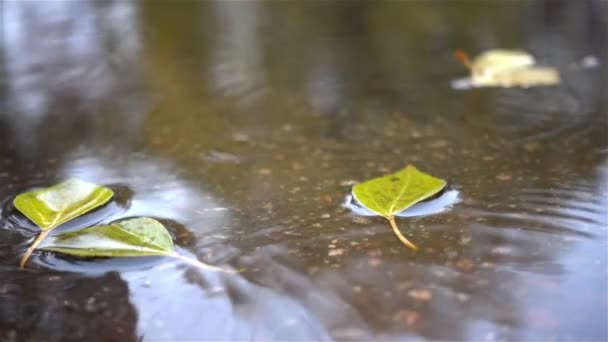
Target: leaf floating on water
(391,194)
(130,238)
(53,206)
(436,204)
(137,237)
(506,68)
(50,207)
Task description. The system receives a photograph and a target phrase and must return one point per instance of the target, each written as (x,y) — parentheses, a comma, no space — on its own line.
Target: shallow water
(242,127)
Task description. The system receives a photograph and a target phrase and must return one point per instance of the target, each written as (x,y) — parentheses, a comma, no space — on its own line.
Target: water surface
(242,126)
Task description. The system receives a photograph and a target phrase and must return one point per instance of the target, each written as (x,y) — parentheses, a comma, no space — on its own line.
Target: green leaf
(129,238)
(136,237)
(53,206)
(393,193)
(50,207)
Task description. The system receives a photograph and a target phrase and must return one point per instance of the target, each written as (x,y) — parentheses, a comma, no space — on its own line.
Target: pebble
(504,177)
(465,265)
(348,182)
(240,137)
(421,294)
(501,250)
(361,220)
(374,262)
(409,317)
(438,144)
(336,252)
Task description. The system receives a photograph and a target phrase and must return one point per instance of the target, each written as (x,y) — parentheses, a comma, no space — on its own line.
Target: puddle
(243,127)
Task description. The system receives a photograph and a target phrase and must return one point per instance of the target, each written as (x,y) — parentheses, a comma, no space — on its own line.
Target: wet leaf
(136,237)
(53,206)
(495,61)
(129,238)
(391,194)
(507,68)
(50,207)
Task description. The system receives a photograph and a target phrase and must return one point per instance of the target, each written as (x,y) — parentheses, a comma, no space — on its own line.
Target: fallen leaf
(506,68)
(50,207)
(388,195)
(136,237)
(129,238)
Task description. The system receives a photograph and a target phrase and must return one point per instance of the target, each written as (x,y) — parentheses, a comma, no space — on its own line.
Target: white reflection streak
(324,86)
(57,50)
(159,192)
(237,58)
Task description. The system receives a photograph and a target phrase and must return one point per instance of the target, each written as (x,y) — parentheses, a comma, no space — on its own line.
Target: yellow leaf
(509,68)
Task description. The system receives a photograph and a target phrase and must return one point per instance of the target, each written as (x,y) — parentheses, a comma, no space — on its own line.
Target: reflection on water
(68,64)
(242,126)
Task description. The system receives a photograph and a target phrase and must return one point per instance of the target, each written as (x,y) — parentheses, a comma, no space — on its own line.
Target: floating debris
(505,68)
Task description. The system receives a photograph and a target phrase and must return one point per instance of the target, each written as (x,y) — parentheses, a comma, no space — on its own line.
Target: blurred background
(241,125)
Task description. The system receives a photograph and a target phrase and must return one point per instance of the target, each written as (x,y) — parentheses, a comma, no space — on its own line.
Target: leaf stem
(391,220)
(199,264)
(463,58)
(32,247)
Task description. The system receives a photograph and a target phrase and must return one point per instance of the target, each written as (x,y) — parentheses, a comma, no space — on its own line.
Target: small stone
(374,262)
(463,297)
(90,305)
(264,172)
(465,240)
(504,177)
(407,316)
(438,144)
(348,182)
(326,216)
(374,253)
(465,265)
(336,252)
(421,294)
(240,137)
(361,220)
(501,250)
(416,134)
(54,278)
(531,147)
